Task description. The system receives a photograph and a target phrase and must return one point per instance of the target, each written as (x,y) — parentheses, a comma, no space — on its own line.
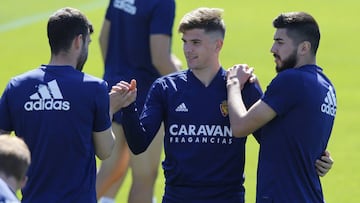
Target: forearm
(135,134)
(104,143)
(236,106)
(104,38)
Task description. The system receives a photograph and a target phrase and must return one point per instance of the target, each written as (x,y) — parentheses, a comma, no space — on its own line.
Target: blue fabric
(56,109)
(305,103)
(128,55)
(203,161)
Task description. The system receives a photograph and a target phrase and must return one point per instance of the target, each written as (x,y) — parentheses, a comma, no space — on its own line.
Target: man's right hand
(122,95)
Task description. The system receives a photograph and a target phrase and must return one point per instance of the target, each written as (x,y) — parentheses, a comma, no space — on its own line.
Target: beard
(82,59)
(287,63)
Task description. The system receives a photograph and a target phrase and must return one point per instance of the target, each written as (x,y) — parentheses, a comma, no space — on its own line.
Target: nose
(273,49)
(187,48)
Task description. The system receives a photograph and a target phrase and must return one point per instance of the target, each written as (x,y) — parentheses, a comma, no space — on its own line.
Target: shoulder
(26,77)
(165,2)
(94,83)
(176,76)
(166,6)
(171,80)
(288,77)
(91,78)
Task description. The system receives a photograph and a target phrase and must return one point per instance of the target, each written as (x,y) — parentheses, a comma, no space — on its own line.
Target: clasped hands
(239,74)
(122,95)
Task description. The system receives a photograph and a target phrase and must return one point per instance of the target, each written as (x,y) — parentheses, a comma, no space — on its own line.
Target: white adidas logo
(47,97)
(181,108)
(329,105)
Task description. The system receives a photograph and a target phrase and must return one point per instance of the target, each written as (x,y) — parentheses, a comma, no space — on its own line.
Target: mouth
(191,58)
(276,58)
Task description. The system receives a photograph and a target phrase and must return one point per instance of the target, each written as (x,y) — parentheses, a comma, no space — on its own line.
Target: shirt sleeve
(163,18)
(102,104)
(5,120)
(282,94)
(251,93)
(141,130)
(109,10)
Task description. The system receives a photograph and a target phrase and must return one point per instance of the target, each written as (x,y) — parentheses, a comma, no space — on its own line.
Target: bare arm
(121,95)
(162,59)
(104,38)
(104,143)
(244,122)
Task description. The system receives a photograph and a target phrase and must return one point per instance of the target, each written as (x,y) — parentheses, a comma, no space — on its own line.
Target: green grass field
(23,46)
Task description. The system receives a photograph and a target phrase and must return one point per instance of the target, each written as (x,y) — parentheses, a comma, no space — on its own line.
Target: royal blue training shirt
(305,103)
(56,109)
(203,161)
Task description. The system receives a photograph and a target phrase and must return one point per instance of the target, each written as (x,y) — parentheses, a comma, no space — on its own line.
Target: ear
(304,47)
(219,44)
(23,182)
(78,41)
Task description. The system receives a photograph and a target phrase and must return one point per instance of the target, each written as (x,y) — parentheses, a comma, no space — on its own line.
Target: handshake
(122,95)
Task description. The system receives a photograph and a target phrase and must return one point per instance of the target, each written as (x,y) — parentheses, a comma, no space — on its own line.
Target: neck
(62,59)
(10,181)
(206,75)
(305,61)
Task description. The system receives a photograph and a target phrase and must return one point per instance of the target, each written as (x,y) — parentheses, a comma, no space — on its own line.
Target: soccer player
(296,113)
(203,161)
(63,115)
(135,42)
(14,162)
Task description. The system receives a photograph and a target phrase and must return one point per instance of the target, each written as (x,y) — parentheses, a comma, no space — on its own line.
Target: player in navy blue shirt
(296,113)
(203,161)
(14,163)
(135,42)
(63,115)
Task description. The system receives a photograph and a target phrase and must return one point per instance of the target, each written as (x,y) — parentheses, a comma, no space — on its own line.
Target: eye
(196,42)
(279,42)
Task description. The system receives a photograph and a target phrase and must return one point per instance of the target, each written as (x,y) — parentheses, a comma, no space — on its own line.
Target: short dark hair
(208,19)
(14,156)
(300,27)
(64,25)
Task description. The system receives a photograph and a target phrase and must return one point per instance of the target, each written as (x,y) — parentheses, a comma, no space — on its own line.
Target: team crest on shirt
(224,108)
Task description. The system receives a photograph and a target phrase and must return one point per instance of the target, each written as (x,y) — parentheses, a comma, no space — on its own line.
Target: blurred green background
(23,46)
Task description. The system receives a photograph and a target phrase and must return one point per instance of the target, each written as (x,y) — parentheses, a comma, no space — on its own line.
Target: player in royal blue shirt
(62,114)
(193,106)
(203,161)
(296,114)
(135,42)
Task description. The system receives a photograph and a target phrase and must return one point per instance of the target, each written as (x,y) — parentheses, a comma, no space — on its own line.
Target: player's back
(56,109)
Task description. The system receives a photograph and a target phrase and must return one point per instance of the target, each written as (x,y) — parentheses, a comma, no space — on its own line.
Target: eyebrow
(191,40)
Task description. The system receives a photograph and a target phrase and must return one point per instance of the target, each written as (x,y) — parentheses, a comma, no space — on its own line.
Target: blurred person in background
(135,42)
